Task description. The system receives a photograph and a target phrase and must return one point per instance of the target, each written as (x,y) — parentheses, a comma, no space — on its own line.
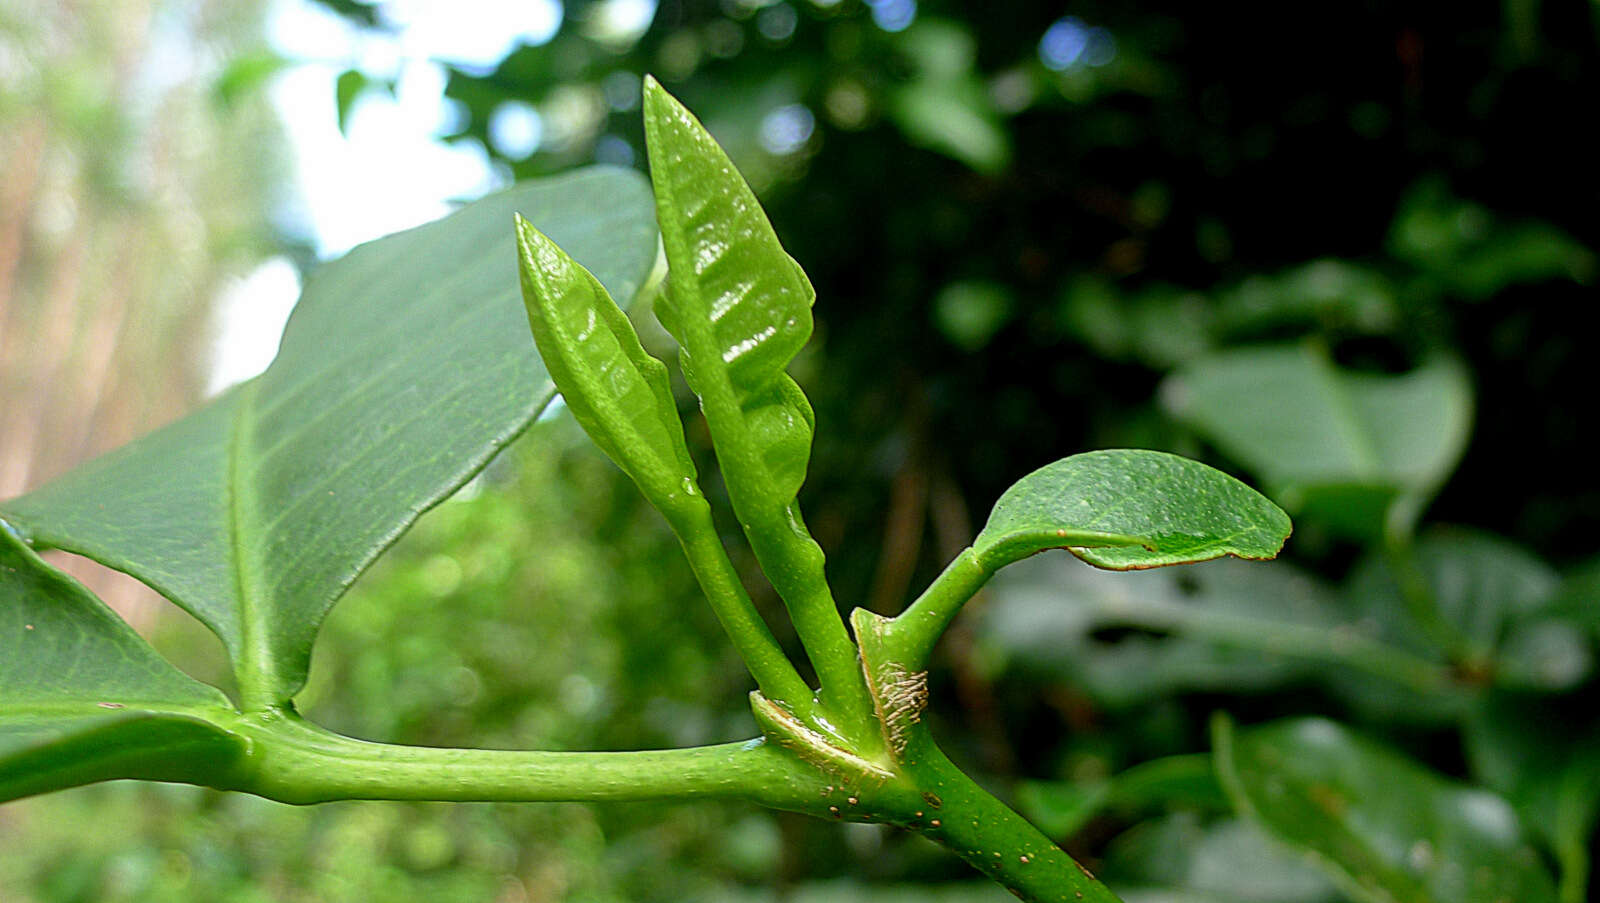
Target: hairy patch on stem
(899,695)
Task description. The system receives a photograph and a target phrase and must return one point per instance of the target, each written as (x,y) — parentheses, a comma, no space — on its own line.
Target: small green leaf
(737,303)
(1316,434)
(614,388)
(1388,829)
(404,369)
(83,698)
(1126,509)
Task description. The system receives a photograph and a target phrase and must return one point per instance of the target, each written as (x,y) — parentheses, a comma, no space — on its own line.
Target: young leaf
(82,697)
(738,304)
(1387,828)
(740,308)
(614,388)
(405,367)
(1126,509)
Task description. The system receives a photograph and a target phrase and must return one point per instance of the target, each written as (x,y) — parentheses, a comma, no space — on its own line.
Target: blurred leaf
(1324,293)
(1386,828)
(83,698)
(1462,248)
(1222,626)
(1317,433)
(970,313)
(1062,808)
(1497,595)
(405,367)
(945,107)
(1127,509)
(1178,860)
(1547,762)
(349,87)
(248,73)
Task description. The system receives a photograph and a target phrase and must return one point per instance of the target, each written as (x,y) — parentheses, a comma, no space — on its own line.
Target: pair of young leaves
(740,307)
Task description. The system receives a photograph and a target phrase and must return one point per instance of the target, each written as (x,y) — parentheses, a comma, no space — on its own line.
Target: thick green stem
(952,809)
(919,627)
(772,670)
(994,839)
(294,761)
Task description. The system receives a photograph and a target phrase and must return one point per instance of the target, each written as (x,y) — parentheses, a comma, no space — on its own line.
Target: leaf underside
(1126,509)
(404,369)
(82,697)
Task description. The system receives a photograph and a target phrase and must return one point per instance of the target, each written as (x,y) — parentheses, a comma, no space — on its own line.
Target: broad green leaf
(1179,859)
(1126,509)
(82,697)
(737,303)
(1544,755)
(405,367)
(1128,639)
(614,388)
(1497,596)
(1320,436)
(1388,829)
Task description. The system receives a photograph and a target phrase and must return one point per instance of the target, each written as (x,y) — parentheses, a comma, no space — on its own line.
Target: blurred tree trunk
(129,193)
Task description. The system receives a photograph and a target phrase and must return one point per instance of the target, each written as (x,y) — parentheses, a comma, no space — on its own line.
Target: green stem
(772,670)
(995,840)
(951,808)
(919,627)
(790,558)
(294,761)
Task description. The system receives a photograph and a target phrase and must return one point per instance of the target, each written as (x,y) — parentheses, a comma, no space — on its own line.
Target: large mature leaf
(82,697)
(1125,509)
(1496,596)
(615,389)
(405,367)
(1344,444)
(737,303)
(1390,830)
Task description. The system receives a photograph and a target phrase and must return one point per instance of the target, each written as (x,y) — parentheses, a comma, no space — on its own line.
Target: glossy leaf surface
(614,388)
(1387,828)
(82,697)
(404,368)
(1343,443)
(1126,509)
(738,304)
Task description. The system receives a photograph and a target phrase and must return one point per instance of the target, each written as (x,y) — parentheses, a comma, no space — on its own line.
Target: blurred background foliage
(1343,253)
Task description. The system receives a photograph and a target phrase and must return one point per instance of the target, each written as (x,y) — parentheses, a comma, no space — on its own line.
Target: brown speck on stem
(834,811)
(27,627)
(109,705)
(1086,873)
(919,813)
(932,799)
(935,823)
(1024,859)
(852,800)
